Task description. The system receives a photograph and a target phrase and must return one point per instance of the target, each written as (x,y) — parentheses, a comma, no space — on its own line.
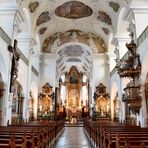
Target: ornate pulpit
(131,68)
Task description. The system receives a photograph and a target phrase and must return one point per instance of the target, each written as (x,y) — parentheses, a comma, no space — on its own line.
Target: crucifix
(14,67)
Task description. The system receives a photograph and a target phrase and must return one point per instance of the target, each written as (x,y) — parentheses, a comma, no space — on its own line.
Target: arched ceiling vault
(76,54)
(52,17)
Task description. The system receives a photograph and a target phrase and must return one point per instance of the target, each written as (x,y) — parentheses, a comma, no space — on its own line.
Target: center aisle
(73,137)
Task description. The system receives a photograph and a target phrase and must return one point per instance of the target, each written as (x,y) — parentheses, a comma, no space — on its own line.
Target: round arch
(122,25)
(28,23)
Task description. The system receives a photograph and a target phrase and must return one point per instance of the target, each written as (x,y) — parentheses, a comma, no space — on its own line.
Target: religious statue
(31,106)
(14,67)
(46,103)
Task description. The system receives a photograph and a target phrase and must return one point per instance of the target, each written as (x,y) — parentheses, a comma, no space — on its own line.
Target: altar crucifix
(14,67)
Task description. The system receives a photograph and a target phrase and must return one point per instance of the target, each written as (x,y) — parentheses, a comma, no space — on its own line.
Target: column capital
(120,38)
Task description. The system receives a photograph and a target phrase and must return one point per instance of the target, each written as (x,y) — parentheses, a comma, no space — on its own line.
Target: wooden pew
(114,135)
(37,134)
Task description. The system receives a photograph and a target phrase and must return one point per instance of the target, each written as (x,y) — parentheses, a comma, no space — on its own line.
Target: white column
(121,44)
(26,111)
(112,60)
(140,11)
(121,50)
(137,14)
(24,44)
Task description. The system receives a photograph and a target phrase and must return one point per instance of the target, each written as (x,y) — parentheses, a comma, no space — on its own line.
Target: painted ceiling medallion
(44,17)
(105,30)
(115,6)
(33,6)
(104,17)
(76,36)
(73,10)
(42,30)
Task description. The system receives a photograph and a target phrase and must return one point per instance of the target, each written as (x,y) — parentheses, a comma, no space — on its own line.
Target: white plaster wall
(5,70)
(48,70)
(116,80)
(100,72)
(22,78)
(34,90)
(100,69)
(140,10)
(35,62)
(143,51)
(141,23)
(114,91)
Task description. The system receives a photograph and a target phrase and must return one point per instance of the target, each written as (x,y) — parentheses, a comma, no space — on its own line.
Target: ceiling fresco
(44,17)
(104,17)
(73,10)
(61,23)
(53,42)
(52,19)
(42,30)
(33,6)
(98,17)
(105,30)
(115,6)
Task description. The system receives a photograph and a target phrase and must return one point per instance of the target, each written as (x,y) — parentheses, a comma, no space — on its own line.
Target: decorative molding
(34,71)
(143,36)
(113,71)
(4,36)
(8,9)
(128,15)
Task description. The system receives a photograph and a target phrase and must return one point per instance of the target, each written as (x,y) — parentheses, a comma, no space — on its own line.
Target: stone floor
(73,137)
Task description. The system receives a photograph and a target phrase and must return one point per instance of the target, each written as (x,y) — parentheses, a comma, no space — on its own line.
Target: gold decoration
(131,67)
(102,101)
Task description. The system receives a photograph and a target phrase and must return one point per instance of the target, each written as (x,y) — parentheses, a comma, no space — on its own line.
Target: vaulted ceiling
(50,17)
(60,22)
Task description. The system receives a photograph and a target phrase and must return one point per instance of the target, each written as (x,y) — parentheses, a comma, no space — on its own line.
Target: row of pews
(36,134)
(108,134)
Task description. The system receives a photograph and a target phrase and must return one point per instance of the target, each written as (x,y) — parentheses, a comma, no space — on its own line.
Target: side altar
(46,103)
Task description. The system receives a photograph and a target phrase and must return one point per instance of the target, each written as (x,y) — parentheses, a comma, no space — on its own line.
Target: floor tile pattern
(73,137)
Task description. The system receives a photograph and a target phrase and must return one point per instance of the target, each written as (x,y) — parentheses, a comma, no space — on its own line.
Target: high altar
(74,103)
